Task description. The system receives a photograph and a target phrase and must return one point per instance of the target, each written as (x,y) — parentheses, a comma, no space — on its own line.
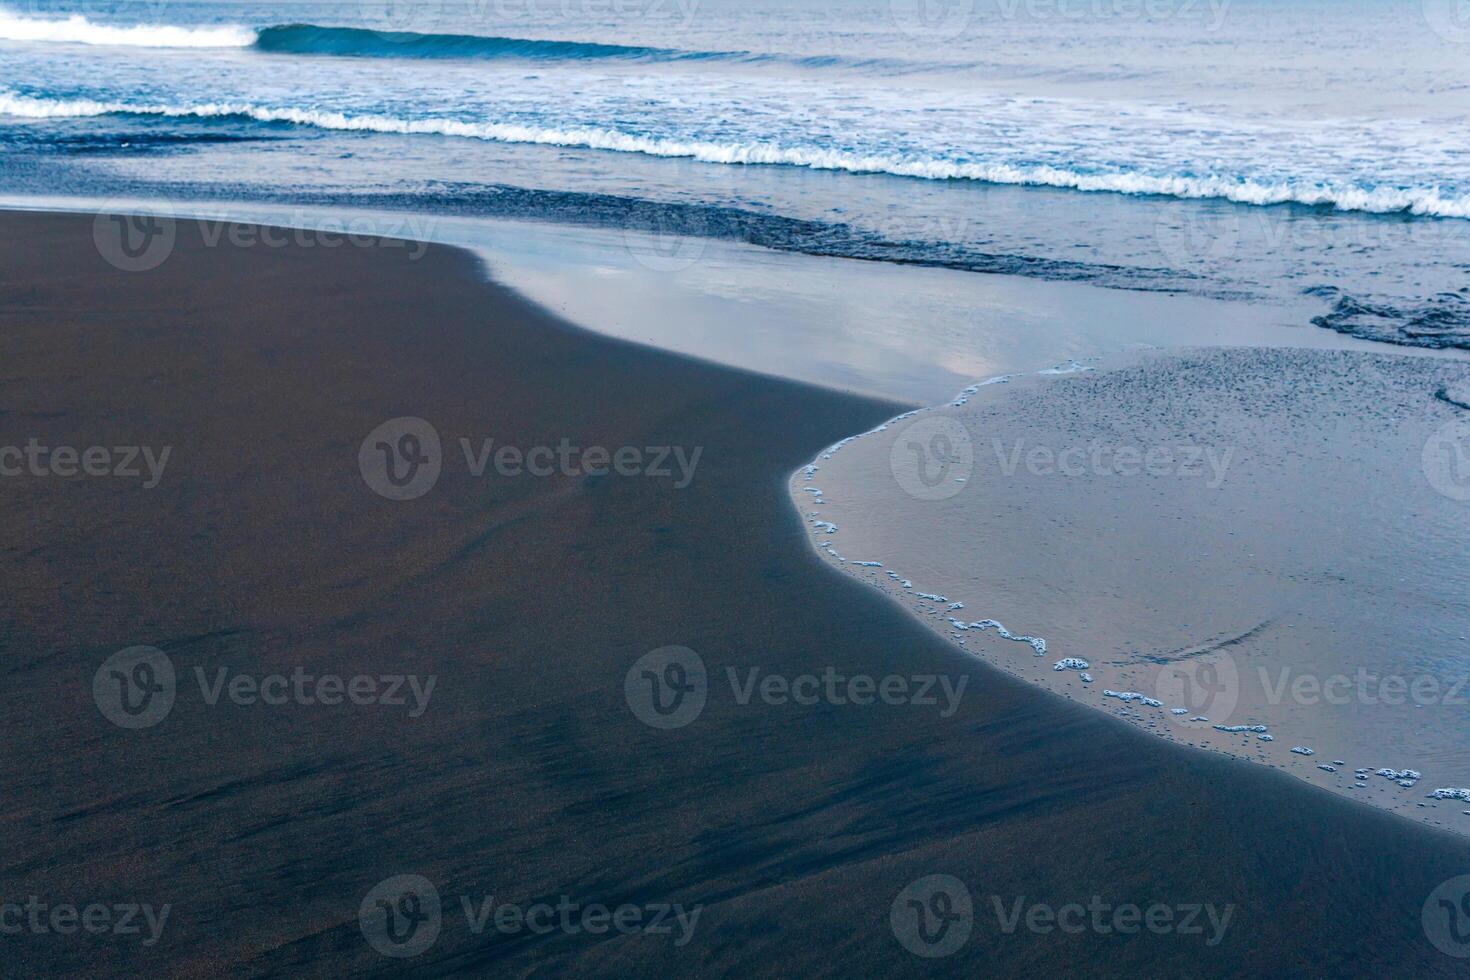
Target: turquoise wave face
(358,42)
(311,39)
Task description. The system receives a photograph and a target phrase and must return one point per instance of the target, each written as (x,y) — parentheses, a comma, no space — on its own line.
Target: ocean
(1304,153)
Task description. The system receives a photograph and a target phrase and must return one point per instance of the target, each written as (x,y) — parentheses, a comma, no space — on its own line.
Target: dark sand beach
(527,777)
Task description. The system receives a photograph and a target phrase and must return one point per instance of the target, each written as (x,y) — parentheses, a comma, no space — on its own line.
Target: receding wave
(1421,201)
(79,30)
(1442,321)
(361,43)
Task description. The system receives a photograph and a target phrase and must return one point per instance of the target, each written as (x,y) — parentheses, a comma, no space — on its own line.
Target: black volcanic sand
(528,778)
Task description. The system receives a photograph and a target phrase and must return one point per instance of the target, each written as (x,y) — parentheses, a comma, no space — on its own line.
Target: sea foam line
(77,29)
(1422,201)
(1037,643)
(1407,778)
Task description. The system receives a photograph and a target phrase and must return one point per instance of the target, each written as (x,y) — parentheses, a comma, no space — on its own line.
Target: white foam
(1404,777)
(77,29)
(1128,697)
(1427,201)
(963,397)
(1070,367)
(1037,643)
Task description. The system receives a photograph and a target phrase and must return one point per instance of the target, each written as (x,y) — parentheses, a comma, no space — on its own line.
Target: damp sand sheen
(1257,552)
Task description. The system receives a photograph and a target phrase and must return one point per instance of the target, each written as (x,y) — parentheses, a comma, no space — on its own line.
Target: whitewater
(847,115)
(1429,201)
(77,29)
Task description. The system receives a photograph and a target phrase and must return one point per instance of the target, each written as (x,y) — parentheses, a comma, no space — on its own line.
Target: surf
(1427,201)
(77,29)
(316,40)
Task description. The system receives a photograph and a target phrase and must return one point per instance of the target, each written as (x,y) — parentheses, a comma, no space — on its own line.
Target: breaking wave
(1424,201)
(79,30)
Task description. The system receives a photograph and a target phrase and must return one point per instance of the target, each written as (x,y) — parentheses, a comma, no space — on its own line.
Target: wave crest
(314,39)
(1419,201)
(358,42)
(77,29)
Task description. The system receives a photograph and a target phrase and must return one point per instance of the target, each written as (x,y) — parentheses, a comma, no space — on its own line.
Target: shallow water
(1227,538)
(906,334)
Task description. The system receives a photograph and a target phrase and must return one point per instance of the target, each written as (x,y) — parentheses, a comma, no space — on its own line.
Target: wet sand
(1243,549)
(794,827)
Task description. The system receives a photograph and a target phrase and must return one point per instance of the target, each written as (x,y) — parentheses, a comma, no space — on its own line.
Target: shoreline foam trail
(1264,666)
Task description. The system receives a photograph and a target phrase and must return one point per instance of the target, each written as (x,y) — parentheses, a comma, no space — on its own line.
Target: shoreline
(793,827)
(739,304)
(1397,788)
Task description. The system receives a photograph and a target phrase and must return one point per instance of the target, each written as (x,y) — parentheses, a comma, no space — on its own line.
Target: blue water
(1236,147)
